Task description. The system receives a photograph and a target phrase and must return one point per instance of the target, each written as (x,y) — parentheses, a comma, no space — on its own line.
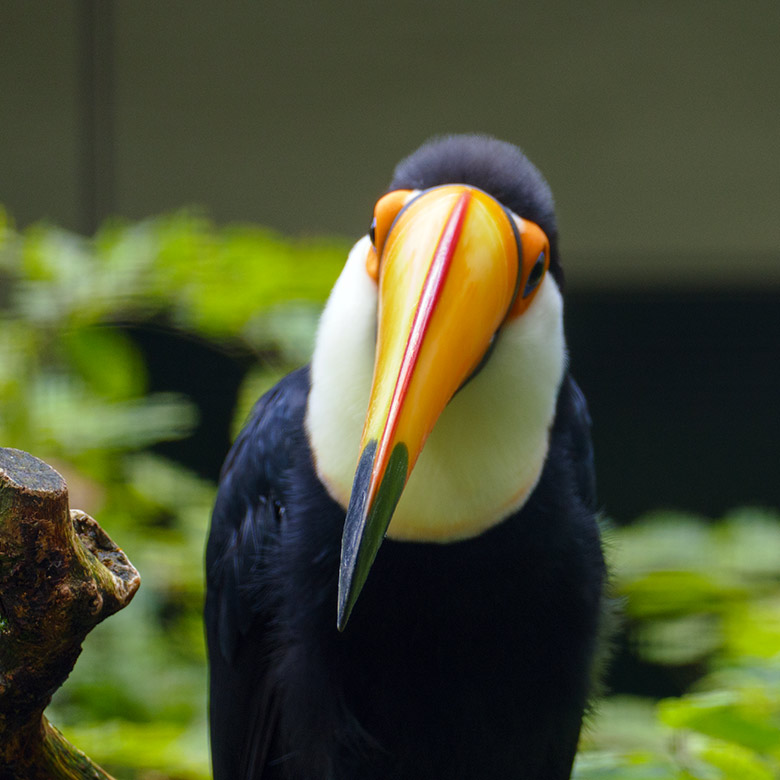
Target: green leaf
(728,760)
(749,718)
(610,765)
(677,592)
(107,360)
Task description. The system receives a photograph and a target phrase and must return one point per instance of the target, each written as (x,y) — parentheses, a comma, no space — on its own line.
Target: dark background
(657,125)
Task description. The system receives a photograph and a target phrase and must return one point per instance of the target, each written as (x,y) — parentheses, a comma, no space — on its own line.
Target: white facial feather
(486,451)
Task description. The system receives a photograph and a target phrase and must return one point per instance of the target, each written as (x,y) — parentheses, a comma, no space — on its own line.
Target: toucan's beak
(448,273)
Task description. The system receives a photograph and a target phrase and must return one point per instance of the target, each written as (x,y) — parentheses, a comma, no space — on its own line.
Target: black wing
(244,530)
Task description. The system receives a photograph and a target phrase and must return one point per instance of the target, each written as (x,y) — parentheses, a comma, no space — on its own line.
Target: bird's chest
(454,652)
(456,644)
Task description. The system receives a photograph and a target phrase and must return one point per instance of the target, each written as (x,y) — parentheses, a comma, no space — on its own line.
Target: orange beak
(448,272)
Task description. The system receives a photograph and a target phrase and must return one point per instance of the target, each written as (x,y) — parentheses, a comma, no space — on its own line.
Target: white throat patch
(485,453)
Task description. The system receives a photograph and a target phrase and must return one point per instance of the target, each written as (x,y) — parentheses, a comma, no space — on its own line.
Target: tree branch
(60,575)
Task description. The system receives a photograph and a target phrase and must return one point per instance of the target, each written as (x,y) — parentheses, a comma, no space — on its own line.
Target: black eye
(537,272)
(372,232)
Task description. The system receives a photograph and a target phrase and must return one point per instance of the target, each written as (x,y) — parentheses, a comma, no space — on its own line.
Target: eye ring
(386,210)
(536,274)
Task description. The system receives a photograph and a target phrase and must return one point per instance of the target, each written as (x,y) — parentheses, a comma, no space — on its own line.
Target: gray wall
(657,123)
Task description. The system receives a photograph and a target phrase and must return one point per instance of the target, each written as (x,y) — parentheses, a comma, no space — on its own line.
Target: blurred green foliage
(74,392)
(702,595)
(698,596)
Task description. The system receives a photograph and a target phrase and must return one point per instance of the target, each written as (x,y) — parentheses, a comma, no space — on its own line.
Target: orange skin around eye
(534,242)
(385,212)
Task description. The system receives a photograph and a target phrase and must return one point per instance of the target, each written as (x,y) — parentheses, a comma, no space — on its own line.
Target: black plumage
(467,660)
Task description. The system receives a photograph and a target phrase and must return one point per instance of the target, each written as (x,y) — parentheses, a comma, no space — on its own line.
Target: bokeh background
(180,183)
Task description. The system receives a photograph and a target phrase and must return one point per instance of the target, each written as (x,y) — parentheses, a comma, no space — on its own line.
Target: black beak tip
(342,618)
(365,525)
(345,603)
(352,539)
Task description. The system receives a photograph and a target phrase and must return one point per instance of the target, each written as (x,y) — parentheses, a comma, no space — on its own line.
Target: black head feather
(497,167)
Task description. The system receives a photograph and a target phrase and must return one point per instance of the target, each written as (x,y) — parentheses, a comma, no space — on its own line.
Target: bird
(404,571)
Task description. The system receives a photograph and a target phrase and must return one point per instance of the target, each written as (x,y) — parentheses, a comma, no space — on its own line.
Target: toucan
(405,578)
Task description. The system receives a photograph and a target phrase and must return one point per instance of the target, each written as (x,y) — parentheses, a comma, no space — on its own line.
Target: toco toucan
(404,571)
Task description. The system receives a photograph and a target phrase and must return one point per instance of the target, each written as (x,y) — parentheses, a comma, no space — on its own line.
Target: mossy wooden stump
(60,575)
